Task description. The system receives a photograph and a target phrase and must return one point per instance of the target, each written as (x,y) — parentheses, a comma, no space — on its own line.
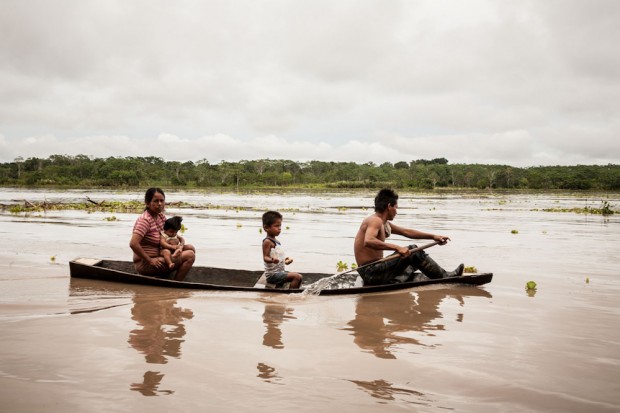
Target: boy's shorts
(277,278)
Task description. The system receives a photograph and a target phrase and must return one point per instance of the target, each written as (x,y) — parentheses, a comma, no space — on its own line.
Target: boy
(170,242)
(273,254)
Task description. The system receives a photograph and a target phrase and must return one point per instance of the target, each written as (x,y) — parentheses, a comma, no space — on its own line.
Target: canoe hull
(221,279)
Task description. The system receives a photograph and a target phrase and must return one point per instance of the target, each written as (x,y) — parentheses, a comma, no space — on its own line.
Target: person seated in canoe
(274,256)
(370,244)
(146,236)
(171,241)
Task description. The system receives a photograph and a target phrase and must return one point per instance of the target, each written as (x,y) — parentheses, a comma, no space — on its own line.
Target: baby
(171,244)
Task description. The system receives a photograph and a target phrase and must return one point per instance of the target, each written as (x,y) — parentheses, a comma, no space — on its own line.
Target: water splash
(336,281)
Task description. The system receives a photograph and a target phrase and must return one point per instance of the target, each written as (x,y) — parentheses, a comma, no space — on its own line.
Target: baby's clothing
(170,240)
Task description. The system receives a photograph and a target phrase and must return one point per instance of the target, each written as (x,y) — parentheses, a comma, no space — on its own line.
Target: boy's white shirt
(276,252)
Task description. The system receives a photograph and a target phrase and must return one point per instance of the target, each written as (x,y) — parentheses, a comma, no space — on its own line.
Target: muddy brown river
(88,346)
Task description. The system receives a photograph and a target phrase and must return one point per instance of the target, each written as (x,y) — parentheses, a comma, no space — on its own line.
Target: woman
(146,236)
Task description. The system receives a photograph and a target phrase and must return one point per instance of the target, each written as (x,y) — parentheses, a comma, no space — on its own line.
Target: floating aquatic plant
(514,231)
(530,288)
(112,218)
(53,258)
(342,266)
(183,228)
(470,270)
(605,209)
(103,206)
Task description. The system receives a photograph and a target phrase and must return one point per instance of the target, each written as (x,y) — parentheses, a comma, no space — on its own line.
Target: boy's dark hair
(173,223)
(270,217)
(384,198)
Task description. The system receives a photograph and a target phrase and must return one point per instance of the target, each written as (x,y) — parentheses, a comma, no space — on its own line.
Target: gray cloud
(521,83)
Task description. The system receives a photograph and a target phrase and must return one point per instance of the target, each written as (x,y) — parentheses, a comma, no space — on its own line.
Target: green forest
(422,174)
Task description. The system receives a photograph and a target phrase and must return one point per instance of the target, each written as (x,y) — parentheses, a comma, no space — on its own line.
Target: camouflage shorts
(386,272)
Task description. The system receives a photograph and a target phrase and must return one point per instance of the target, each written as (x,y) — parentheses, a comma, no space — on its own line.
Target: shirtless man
(370,244)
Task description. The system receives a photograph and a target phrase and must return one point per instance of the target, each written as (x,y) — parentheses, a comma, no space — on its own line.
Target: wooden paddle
(390,257)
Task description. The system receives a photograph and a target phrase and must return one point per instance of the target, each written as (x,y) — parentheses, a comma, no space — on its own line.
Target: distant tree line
(82,170)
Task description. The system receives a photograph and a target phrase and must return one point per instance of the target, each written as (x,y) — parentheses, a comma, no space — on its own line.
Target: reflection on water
(160,322)
(273,316)
(383,323)
(159,336)
(150,384)
(386,391)
(267,373)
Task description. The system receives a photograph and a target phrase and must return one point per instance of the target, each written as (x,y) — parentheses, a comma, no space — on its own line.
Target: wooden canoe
(210,278)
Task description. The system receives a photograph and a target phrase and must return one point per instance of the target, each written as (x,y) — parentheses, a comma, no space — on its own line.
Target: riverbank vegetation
(421,174)
(91,206)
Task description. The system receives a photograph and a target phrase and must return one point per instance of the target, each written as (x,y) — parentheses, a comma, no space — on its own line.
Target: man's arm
(415,234)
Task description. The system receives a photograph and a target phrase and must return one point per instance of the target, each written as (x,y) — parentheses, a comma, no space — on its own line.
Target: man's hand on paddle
(403,251)
(441,239)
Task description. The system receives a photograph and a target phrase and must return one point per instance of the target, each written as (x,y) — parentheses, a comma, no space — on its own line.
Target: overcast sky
(522,83)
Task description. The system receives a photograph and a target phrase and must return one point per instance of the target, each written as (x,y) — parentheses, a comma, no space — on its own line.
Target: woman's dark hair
(384,198)
(173,223)
(150,193)
(270,217)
